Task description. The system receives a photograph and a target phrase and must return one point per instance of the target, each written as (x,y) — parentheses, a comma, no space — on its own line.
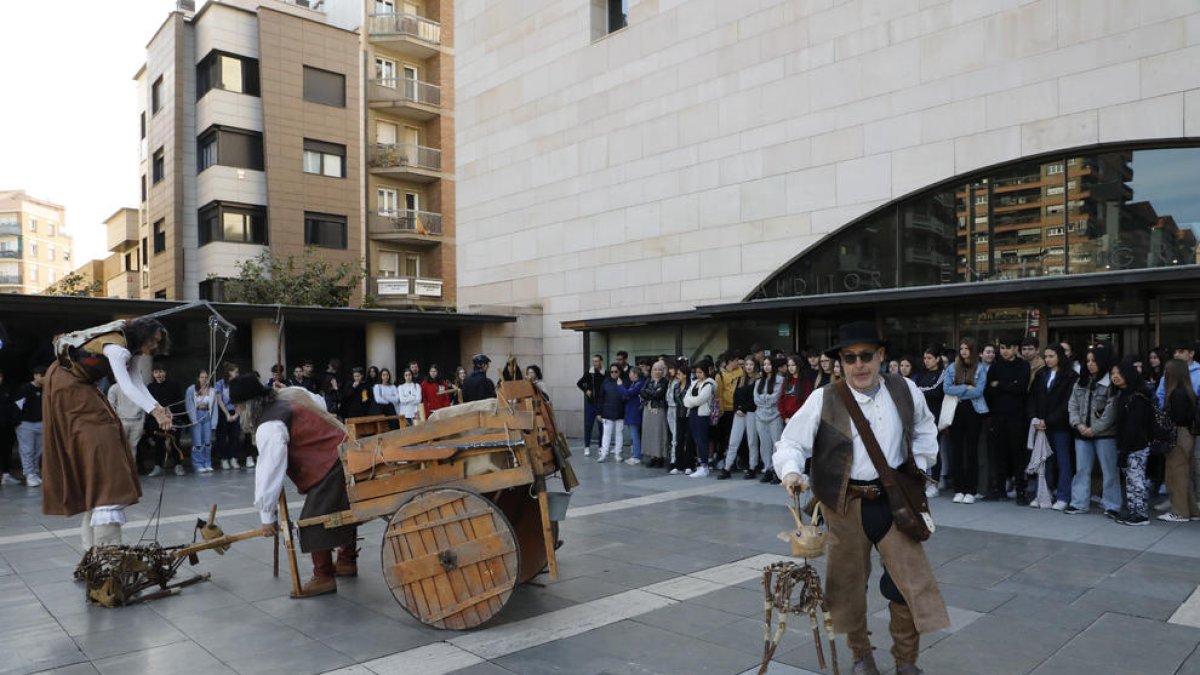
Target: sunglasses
(614,370)
(851,358)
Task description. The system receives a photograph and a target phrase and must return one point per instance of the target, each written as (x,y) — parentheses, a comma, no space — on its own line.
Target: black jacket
(654,395)
(592,380)
(743,395)
(1134,418)
(1007,384)
(609,403)
(478,387)
(930,384)
(1180,408)
(1050,405)
(31,410)
(357,400)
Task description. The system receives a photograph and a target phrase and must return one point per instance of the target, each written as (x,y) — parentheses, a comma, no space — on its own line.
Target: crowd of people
(1017,421)
(206,432)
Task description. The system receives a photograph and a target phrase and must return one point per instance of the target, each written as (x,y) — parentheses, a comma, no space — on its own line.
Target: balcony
(404,97)
(413,227)
(10,228)
(407,34)
(122,285)
(10,253)
(407,289)
(10,280)
(405,161)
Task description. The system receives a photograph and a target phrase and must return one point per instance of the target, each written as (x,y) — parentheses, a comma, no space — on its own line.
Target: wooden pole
(289,541)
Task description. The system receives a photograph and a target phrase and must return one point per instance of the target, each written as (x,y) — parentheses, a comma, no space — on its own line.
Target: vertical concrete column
(381,345)
(264,346)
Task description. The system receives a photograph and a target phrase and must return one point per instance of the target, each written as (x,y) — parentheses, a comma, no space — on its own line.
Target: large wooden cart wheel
(450,558)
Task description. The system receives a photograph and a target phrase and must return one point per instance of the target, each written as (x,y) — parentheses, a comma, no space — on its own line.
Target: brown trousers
(1179,475)
(848,570)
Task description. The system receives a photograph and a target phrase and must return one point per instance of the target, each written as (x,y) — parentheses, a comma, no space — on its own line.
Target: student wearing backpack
(1135,415)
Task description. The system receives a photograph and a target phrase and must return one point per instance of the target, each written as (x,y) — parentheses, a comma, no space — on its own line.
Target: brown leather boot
(346,568)
(906,641)
(317,586)
(865,665)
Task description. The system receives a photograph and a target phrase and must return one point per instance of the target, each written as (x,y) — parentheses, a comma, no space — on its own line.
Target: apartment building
(276,125)
(35,247)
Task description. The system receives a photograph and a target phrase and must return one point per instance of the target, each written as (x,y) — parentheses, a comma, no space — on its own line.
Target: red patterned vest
(313,444)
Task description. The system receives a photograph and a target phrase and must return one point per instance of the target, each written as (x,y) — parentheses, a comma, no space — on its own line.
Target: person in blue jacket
(612,414)
(966,378)
(633,412)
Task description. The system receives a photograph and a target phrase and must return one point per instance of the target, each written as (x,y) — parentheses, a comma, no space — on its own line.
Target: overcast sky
(68,109)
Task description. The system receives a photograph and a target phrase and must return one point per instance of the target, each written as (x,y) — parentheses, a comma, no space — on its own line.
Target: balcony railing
(388,155)
(406,89)
(416,222)
(405,24)
(10,253)
(10,228)
(9,279)
(408,287)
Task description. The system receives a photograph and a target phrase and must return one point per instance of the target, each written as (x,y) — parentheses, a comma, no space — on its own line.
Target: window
(160,294)
(326,159)
(608,16)
(385,6)
(145,252)
(388,201)
(130,263)
(156,95)
(232,222)
(33,273)
(51,275)
(160,236)
(143,188)
(323,86)
(385,71)
(230,72)
(229,147)
(33,224)
(142,124)
(324,230)
(50,229)
(158,166)
(1054,169)
(33,249)
(67,254)
(50,252)
(212,290)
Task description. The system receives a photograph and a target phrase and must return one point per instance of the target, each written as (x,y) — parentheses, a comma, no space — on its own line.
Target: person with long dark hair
(227,444)
(1181,408)
(966,378)
(201,406)
(1153,367)
(436,393)
(86,465)
(612,415)
(768,423)
(385,394)
(698,400)
(929,382)
(1048,400)
(1093,424)
(1135,414)
(797,386)
(824,373)
(681,459)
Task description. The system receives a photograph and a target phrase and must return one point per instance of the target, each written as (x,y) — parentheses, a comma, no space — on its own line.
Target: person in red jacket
(297,438)
(435,392)
(796,388)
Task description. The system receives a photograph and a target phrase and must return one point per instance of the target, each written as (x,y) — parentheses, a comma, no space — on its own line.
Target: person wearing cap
(478,387)
(856,509)
(296,437)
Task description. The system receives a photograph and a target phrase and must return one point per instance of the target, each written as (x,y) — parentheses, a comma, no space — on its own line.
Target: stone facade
(679,161)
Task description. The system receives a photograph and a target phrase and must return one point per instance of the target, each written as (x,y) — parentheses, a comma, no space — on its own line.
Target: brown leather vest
(833,448)
(312,445)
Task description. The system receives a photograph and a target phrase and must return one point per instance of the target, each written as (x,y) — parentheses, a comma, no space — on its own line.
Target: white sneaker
(1059,505)
(1172,518)
(968,499)
(602,458)
(674,472)
(224,464)
(688,472)
(931,492)
(978,497)
(587,451)
(179,470)
(249,462)
(958,497)
(1164,505)
(633,461)
(156,471)
(9,480)
(1035,504)
(33,481)
(702,472)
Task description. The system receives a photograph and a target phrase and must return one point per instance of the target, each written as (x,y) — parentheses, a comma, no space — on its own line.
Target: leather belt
(866,492)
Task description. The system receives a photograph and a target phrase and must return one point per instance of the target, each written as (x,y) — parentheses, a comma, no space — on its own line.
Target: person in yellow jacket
(727,381)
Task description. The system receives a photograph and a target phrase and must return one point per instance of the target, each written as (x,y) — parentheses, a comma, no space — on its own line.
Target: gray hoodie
(1092,406)
(767,403)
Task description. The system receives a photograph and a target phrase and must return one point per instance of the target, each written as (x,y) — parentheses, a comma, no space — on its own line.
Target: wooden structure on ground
(465,498)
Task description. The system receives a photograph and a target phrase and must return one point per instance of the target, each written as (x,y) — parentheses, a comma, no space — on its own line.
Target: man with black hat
(856,508)
(1007,384)
(477,386)
(297,438)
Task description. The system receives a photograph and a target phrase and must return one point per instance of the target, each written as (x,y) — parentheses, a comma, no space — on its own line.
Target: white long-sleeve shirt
(272,439)
(123,368)
(796,444)
(410,397)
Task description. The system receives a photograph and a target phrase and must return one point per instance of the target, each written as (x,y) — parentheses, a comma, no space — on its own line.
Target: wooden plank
(447,586)
(365,455)
(455,577)
(442,520)
(446,428)
(459,531)
(381,506)
(418,477)
(454,609)
(414,599)
(426,565)
(429,590)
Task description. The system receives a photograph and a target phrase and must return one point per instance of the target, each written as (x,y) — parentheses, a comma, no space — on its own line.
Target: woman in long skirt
(654,417)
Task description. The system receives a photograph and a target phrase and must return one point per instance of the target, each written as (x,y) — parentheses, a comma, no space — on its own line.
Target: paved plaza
(659,574)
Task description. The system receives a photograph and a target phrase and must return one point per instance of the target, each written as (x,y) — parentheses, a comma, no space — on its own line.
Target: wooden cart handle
(219,541)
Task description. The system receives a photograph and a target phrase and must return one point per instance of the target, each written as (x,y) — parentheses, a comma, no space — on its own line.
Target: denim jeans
(698,425)
(202,434)
(635,439)
(589,420)
(1061,442)
(1086,451)
(29,440)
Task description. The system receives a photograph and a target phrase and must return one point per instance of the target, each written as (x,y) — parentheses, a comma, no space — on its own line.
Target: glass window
(230,147)
(323,86)
(326,231)
(158,166)
(326,159)
(229,72)
(33,224)
(160,236)
(862,258)
(207,155)
(231,222)
(156,95)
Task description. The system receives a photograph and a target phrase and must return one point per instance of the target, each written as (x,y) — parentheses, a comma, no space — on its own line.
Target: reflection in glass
(1096,212)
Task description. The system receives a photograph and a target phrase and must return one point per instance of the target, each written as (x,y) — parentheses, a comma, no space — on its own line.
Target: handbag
(904,485)
(946,414)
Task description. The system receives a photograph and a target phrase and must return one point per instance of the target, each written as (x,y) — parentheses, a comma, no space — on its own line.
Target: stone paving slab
(1079,594)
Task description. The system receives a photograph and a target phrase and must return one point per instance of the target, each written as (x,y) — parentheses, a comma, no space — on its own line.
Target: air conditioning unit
(185,5)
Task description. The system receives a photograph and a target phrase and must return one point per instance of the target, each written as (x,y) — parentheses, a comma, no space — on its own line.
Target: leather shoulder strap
(865,432)
(902,398)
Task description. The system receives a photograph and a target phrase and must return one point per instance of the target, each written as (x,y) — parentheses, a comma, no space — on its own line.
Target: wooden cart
(465,498)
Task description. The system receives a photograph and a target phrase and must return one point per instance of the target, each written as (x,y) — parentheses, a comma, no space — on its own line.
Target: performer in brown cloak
(86,463)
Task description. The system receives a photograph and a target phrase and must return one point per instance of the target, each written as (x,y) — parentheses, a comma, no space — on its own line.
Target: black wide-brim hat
(856,333)
(245,387)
